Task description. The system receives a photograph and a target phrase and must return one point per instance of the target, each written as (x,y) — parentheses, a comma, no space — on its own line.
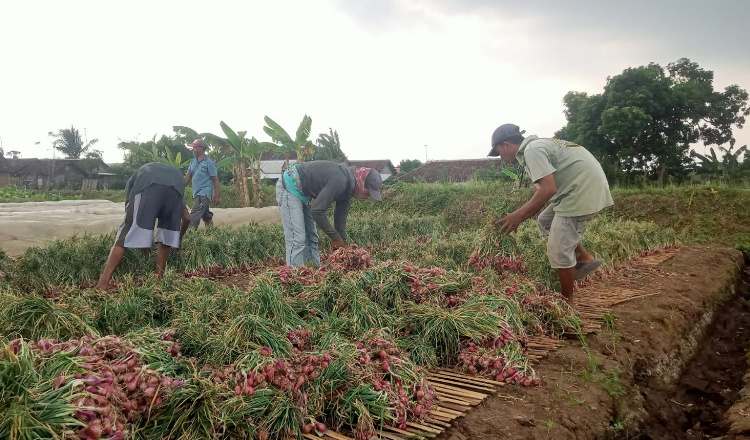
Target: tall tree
(301,144)
(328,147)
(69,142)
(247,154)
(648,117)
(407,165)
(168,149)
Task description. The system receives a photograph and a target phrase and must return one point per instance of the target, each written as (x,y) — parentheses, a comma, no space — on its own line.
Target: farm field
(232,344)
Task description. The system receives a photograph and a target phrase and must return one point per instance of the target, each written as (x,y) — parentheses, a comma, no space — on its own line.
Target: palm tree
(286,145)
(69,142)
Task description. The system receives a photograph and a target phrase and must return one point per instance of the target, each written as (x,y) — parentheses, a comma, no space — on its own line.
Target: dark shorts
(156,202)
(201,210)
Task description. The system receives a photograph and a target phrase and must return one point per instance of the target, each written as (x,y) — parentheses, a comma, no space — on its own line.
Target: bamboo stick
(459,375)
(449,381)
(454,406)
(401,431)
(476,381)
(455,401)
(335,435)
(425,428)
(438,422)
(444,414)
(474,394)
(389,436)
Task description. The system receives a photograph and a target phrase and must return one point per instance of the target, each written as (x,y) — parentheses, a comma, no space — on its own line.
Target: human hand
(510,222)
(216,200)
(338,243)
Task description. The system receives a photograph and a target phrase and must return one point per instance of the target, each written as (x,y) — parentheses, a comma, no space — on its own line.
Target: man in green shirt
(568,177)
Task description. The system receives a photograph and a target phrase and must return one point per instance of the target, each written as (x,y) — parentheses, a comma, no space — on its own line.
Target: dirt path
(635,361)
(33,223)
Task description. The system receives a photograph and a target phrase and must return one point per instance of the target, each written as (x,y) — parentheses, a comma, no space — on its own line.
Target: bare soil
(629,383)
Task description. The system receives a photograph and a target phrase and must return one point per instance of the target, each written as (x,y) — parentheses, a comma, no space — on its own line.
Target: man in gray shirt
(155,192)
(568,177)
(306,191)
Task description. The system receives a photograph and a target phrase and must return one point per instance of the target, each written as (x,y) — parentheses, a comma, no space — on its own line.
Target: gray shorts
(155,202)
(564,235)
(201,210)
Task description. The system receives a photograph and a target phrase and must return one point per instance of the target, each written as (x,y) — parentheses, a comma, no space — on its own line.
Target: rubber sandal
(586,268)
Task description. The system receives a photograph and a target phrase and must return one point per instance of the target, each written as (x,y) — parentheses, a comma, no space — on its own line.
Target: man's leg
(582,255)
(162,255)
(197,212)
(567,283)
(208,216)
(114,259)
(563,241)
(293,220)
(311,238)
(185,224)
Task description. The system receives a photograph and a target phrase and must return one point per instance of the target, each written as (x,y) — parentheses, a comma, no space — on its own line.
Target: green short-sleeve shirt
(582,187)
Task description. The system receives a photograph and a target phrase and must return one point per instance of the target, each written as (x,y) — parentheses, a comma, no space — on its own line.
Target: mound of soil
(620,382)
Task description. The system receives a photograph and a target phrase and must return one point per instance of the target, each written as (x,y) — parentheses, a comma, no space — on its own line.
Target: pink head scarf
(360,175)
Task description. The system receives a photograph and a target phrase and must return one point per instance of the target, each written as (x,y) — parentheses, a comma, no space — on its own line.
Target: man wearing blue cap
(568,177)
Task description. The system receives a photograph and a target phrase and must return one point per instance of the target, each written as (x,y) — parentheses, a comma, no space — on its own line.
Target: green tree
(728,167)
(168,149)
(69,142)
(407,165)
(648,117)
(91,162)
(247,154)
(301,144)
(328,147)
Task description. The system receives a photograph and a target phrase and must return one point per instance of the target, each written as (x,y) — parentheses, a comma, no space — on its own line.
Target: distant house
(46,173)
(450,170)
(271,164)
(384,166)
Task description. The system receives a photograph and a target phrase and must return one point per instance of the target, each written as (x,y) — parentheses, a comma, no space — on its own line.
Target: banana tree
(301,144)
(247,154)
(728,167)
(154,155)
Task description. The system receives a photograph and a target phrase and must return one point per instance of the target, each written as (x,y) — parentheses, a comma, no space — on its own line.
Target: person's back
(317,174)
(582,186)
(155,173)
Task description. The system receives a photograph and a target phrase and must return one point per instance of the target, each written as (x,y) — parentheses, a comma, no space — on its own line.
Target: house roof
(273,166)
(270,155)
(31,165)
(451,170)
(382,165)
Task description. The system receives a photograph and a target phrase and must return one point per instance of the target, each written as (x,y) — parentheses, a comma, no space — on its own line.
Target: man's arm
(188,176)
(340,213)
(217,195)
(542,195)
(318,210)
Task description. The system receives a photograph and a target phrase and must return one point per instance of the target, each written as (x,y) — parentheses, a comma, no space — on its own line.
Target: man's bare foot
(209,222)
(102,287)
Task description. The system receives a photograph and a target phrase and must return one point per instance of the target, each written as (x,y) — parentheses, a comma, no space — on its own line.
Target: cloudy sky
(391,76)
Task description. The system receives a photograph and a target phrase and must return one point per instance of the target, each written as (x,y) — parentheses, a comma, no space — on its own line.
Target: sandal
(584,269)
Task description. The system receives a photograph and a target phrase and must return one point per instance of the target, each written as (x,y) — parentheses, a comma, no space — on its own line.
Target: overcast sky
(390,76)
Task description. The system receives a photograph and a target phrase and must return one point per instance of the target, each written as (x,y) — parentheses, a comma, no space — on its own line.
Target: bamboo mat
(596,301)
(455,394)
